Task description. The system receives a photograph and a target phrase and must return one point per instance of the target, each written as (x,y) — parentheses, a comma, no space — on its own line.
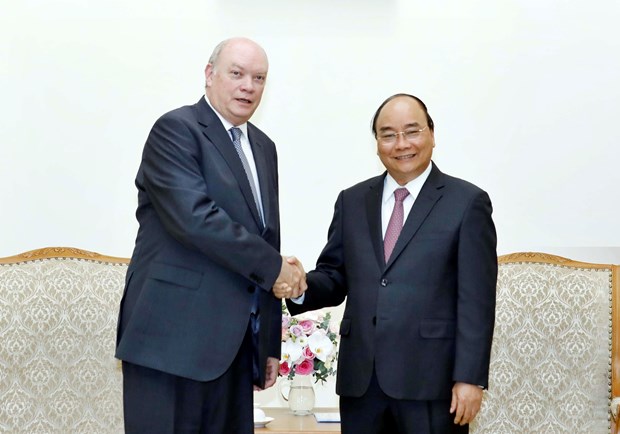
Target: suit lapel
(218,136)
(373,213)
(424,203)
(262,169)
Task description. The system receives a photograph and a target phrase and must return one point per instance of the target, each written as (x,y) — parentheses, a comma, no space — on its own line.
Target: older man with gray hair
(200,316)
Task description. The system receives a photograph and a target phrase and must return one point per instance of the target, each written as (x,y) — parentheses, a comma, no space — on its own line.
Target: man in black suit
(200,319)
(413,251)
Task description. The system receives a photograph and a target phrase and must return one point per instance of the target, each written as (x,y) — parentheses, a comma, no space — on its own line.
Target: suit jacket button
(251,289)
(384,282)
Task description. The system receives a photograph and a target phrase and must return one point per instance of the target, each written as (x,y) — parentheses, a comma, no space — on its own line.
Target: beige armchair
(554,364)
(58,313)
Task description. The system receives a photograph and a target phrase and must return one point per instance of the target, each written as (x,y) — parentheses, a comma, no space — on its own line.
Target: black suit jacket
(425,319)
(200,253)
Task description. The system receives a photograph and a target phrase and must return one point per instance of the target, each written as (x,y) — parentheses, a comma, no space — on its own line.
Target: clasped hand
(291,282)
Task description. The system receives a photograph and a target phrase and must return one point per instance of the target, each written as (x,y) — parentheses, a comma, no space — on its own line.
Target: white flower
(302,340)
(291,351)
(320,345)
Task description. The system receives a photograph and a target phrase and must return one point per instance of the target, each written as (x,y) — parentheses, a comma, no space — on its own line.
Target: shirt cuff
(299,300)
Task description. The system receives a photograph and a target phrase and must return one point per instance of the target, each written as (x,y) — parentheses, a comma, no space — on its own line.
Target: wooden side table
(285,422)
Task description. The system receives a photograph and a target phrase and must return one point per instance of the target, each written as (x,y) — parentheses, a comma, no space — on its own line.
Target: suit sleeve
(327,283)
(477,280)
(175,185)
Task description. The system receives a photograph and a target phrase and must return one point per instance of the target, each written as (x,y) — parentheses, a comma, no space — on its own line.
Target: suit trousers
(377,413)
(156,402)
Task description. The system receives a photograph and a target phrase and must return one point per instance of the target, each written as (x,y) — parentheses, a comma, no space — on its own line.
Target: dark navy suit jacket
(200,252)
(425,319)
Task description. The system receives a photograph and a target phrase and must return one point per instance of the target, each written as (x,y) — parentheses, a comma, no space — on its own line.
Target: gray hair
(217,50)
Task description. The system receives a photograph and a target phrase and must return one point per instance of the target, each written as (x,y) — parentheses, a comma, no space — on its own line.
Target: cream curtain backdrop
(524,95)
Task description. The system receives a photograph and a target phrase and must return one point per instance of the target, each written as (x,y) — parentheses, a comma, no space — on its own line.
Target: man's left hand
(271,373)
(466,400)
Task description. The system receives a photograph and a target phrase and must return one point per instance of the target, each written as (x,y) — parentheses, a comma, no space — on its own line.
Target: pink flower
(305,368)
(296,330)
(284,334)
(286,321)
(308,354)
(284,369)
(307,325)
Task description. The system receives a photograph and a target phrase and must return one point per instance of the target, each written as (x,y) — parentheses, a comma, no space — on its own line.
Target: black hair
(429,120)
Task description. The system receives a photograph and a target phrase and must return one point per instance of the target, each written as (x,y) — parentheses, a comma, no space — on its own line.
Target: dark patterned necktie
(236,137)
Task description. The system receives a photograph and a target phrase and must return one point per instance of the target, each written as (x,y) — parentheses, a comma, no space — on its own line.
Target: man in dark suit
(414,253)
(200,318)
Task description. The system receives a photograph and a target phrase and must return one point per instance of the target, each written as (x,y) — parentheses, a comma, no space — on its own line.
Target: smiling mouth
(405,157)
(244,101)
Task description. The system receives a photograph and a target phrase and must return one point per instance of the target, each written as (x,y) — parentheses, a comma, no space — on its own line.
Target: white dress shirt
(247,150)
(387,203)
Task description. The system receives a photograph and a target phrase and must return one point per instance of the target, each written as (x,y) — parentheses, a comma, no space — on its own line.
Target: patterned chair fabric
(58,313)
(554,362)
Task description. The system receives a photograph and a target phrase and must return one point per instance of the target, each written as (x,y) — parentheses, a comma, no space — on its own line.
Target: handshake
(291,282)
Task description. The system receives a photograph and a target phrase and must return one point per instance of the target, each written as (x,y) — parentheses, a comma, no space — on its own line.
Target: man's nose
(247,84)
(401,140)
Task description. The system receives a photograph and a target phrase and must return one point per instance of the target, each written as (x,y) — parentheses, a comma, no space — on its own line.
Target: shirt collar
(227,125)
(414,186)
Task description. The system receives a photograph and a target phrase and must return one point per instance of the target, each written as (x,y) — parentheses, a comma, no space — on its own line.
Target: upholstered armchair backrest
(553,348)
(58,314)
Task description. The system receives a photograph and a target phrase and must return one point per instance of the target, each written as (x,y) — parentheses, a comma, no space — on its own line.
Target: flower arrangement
(309,346)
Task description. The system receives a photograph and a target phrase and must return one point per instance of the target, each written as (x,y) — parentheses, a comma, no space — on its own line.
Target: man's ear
(209,74)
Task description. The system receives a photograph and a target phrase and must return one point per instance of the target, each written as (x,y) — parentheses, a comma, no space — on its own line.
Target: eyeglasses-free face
(404,143)
(236,82)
